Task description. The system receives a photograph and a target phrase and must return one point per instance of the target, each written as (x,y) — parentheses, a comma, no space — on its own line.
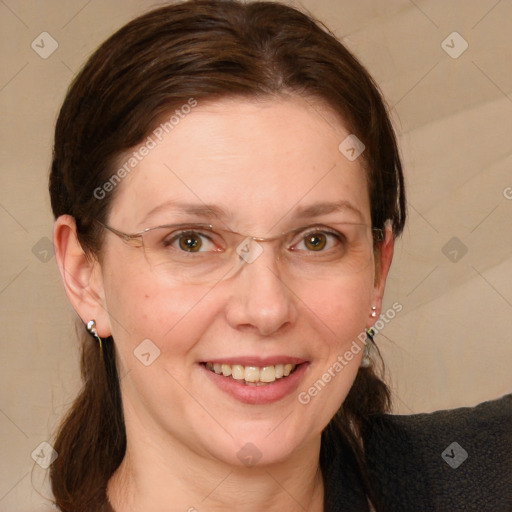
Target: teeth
(252,375)
(237,372)
(268,374)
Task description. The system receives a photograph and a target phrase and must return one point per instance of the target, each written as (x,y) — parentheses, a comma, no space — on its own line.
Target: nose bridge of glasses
(248,248)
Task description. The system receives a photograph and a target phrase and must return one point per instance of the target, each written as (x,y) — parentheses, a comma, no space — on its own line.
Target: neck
(154,475)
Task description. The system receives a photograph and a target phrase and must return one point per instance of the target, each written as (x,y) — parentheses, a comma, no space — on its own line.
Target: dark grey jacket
(446,461)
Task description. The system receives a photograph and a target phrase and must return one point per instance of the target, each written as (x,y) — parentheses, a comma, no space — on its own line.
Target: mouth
(252,375)
(255,380)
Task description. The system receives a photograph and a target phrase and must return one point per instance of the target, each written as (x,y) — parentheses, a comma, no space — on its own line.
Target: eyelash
(321,230)
(176,235)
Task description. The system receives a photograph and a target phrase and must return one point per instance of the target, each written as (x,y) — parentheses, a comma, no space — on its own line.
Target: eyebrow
(318,209)
(198,210)
(210,211)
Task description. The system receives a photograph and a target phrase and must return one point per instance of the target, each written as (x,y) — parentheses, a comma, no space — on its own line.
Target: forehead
(258,161)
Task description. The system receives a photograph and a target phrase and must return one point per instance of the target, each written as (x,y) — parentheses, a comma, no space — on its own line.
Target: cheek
(342,305)
(340,312)
(141,307)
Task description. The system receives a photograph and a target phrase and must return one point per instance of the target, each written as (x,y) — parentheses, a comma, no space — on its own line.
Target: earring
(374,312)
(366,361)
(91,328)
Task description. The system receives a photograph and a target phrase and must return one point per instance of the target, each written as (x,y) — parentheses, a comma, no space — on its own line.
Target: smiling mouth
(252,375)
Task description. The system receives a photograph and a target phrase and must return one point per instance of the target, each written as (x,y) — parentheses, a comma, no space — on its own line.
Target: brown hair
(201,49)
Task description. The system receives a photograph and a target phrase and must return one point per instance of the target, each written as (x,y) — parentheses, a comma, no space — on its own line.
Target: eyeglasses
(202,254)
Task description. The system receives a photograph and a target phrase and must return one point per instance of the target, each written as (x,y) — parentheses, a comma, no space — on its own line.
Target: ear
(383,258)
(81,275)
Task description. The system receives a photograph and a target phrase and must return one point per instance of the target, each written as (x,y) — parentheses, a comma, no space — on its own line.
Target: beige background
(451,344)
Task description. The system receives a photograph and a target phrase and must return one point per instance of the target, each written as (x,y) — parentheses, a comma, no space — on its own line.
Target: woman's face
(261,167)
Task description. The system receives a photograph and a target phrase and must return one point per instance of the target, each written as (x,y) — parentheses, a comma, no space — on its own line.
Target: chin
(260,447)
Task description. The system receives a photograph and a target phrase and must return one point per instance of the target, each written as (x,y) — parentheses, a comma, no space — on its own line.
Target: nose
(260,300)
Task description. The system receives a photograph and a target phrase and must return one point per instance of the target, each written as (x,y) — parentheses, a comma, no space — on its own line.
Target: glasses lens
(203,255)
(324,252)
(187,254)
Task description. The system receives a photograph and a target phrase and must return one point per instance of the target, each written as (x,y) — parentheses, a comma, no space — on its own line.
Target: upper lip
(256,360)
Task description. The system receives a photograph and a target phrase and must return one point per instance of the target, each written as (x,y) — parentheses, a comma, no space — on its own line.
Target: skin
(260,162)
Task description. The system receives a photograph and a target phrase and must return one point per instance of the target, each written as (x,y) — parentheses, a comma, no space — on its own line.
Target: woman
(227,190)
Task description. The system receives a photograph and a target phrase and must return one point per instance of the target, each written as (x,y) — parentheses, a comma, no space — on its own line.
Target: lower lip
(258,395)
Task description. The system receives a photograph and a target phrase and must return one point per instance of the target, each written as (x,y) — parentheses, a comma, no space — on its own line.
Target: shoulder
(457,459)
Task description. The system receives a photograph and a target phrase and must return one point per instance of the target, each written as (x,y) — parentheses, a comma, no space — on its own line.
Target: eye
(318,240)
(189,241)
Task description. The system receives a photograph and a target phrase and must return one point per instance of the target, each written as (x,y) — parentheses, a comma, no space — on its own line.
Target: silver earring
(366,361)
(91,328)
(374,312)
